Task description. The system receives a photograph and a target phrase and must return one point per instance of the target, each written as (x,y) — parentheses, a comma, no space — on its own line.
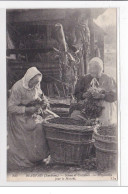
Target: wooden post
(92,38)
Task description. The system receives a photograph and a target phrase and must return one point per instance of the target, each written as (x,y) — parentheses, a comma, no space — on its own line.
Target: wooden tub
(69,144)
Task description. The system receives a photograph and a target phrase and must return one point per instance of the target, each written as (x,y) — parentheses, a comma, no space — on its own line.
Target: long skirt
(27,144)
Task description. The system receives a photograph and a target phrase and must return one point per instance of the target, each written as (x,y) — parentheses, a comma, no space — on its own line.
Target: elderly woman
(26,138)
(106,83)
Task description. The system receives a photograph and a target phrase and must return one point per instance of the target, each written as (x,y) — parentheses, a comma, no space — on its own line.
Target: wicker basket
(106,149)
(69,144)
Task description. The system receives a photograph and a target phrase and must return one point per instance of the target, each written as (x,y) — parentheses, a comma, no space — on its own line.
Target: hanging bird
(60,36)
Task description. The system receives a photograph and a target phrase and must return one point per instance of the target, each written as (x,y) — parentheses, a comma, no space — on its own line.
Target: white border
(124,112)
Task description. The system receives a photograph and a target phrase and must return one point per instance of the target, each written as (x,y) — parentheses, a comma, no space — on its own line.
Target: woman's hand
(31,109)
(86,95)
(44,106)
(97,95)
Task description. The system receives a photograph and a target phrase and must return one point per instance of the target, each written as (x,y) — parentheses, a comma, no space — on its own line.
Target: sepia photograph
(62,99)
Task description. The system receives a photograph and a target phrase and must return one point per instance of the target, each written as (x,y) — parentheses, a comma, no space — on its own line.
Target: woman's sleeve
(111,95)
(14,102)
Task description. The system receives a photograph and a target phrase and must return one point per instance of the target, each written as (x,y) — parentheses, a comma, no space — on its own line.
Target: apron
(109,113)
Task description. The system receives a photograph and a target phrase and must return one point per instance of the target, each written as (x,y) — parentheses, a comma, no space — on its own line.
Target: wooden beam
(24,51)
(35,15)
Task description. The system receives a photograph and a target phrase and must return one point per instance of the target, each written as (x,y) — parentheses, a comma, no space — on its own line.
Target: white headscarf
(98,61)
(31,72)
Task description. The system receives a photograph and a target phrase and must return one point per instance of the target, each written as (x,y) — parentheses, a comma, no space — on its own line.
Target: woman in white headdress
(26,138)
(103,81)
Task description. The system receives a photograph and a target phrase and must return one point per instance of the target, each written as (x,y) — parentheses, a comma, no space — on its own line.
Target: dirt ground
(89,168)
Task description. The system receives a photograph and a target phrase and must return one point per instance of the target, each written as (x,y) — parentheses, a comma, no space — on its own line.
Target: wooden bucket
(106,148)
